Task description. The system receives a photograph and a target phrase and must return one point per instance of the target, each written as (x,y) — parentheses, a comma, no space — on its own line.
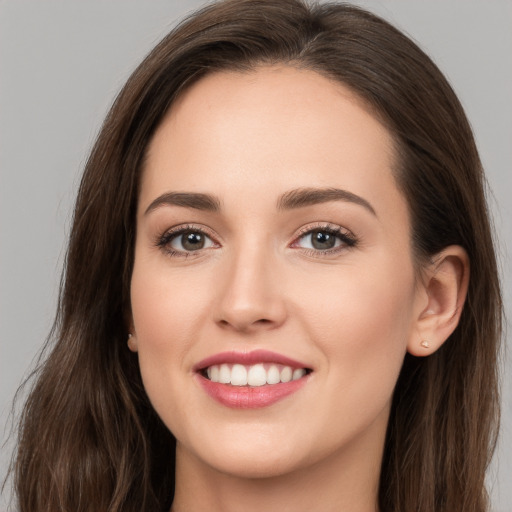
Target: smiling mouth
(251,380)
(254,375)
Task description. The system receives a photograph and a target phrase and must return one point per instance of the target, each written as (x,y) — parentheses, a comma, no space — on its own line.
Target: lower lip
(246,397)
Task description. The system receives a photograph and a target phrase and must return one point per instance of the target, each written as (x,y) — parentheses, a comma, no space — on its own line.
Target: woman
(281,290)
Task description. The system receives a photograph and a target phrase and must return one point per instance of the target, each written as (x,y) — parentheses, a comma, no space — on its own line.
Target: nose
(251,295)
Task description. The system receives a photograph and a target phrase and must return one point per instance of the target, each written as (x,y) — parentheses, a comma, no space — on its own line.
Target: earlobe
(132,342)
(445,282)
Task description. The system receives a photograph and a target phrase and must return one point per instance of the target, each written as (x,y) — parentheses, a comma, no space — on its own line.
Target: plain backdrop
(61,65)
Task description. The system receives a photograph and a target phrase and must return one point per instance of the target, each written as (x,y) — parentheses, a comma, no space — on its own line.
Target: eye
(185,240)
(320,240)
(191,241)
(325,239)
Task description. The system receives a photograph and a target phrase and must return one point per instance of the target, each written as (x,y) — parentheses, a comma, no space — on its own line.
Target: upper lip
(248,358)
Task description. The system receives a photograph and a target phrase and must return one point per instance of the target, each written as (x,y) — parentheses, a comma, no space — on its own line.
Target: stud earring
(425,344)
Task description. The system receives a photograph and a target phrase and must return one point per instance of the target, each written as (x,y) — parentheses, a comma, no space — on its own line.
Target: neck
(345,481)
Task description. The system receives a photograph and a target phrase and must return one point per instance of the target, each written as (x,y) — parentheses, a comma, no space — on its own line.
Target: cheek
(165,314)
(165,309)
(361,321)
(361,306)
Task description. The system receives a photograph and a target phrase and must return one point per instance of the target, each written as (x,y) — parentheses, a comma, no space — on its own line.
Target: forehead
(273,127)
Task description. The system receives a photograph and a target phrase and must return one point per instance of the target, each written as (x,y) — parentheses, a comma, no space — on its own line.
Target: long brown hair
(89,439)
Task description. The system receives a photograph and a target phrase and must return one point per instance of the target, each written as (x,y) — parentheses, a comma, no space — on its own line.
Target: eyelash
(348,240)
(163,241)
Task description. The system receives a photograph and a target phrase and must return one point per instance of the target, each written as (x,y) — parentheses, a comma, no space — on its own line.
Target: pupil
(192,241)
(323,240)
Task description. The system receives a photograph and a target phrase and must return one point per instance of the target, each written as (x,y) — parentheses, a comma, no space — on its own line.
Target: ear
(132,343)
(445,285)
(132,338)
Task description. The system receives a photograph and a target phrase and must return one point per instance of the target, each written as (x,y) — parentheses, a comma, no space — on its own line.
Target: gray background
(61,64)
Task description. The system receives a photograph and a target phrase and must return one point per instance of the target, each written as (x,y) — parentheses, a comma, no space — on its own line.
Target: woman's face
(272,244)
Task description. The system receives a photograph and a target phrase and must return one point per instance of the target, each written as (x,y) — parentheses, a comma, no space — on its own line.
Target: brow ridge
(293,199)
(301,197)
(194,200)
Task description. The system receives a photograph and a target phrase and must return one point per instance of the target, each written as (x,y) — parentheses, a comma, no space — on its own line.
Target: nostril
(247,325)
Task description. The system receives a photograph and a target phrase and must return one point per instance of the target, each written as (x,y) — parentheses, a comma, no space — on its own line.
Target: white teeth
(238,375)
(286,374)
(213,373)
(257,376)
(224,374)
(298,373)
(273,375)
(253,375)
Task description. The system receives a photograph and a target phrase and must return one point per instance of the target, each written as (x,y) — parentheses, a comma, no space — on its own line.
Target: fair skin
(248,275)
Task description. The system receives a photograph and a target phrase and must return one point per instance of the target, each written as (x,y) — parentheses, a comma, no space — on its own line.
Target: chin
(251,455)
(252,465)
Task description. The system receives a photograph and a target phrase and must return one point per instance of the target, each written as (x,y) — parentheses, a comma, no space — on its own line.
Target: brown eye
(188,241)
(322,240)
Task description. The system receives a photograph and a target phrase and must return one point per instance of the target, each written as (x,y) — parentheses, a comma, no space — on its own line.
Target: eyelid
(347,237)
(327,226)
(180,228)
(163,239)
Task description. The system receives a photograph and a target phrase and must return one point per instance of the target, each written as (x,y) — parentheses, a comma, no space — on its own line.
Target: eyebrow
(298,198)
(197,201)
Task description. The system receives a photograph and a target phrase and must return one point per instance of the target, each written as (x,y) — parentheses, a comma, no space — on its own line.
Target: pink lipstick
(248,380)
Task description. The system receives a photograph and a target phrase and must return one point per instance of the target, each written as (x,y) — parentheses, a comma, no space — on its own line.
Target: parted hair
(89,439)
